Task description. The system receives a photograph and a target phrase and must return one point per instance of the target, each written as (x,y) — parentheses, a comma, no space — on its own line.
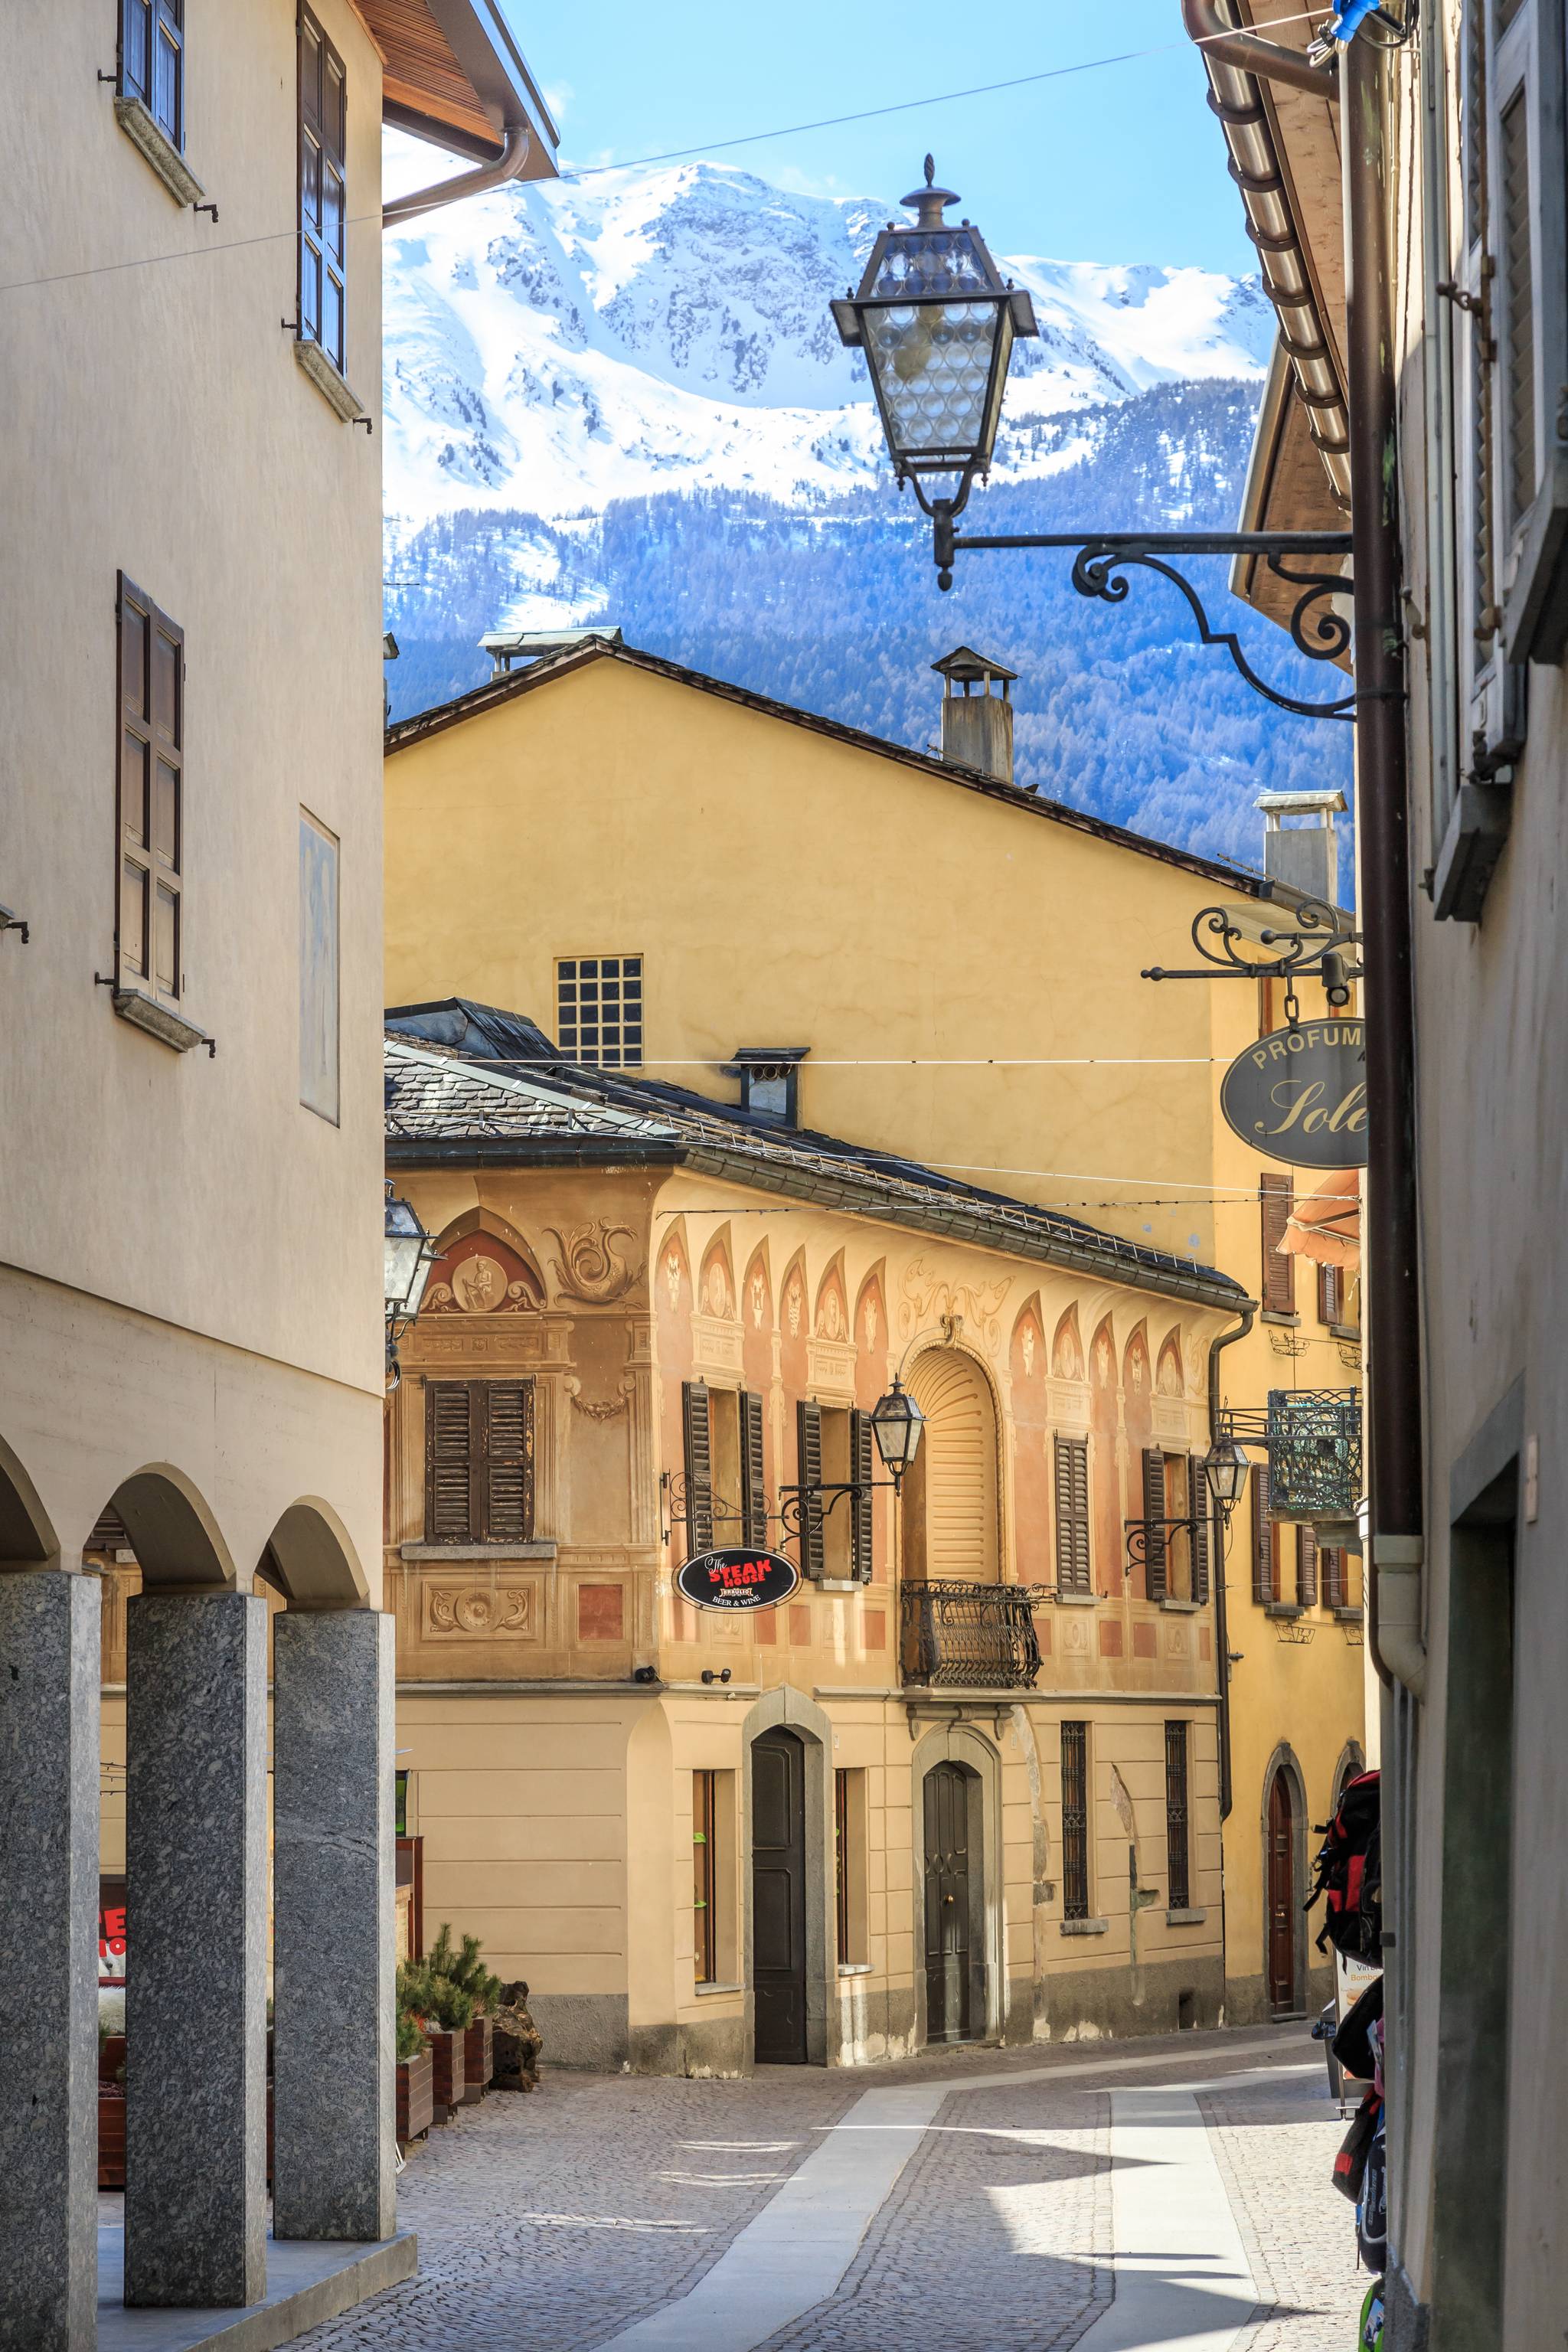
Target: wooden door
(955,2000)
(778,1898)
(1283,1899)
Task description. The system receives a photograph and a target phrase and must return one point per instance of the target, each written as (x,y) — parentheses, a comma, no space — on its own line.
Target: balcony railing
(1314,1453)
(965,1636)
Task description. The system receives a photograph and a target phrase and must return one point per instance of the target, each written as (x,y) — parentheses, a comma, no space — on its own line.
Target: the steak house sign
(1299,1094)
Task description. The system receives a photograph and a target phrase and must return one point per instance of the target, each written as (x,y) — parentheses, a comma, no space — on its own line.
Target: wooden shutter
(1262,1538)
(1330,1295)
(1517,287)
(507,1485)
(1306,1568)
(808,1475)
(1153,1517)
(697,1424)
(753,1478)
(1332,1560)
(862,1503)
(149,797)
(1199,1505)
(1276,1195)
(1073,1566)
(449,1452)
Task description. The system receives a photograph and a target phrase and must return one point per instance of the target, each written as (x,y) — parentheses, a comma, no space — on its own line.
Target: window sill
(159,149)
(1190,1919)
(1076,1599)
(1344,1332)
(1182,1608)
(1282,1609)
(160,1021)
(340,396)
(854,1968)
(836,1583)
(1350,1616)
(1290,1322)
(706,1992)
(438,1551)
(1086,1927)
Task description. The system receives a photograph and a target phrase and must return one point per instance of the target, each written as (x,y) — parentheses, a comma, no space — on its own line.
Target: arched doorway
(949,1512)
(1284,1899)
(955,1904)
(779,1897)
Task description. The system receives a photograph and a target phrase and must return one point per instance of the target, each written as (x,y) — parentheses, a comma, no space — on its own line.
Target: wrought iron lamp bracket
(1314,947)
(1101,560)
(1138,1532)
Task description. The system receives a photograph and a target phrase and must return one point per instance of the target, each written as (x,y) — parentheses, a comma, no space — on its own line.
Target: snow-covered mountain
(651,329)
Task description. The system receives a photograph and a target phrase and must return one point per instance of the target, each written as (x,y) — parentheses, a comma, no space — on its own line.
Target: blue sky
(1125,163)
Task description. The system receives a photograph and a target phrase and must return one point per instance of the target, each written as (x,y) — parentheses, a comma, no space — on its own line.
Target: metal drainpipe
(508,166)
(1221,1611)
(1250,53)
(1393,1373)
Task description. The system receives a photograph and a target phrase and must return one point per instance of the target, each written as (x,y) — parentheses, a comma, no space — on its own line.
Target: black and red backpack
(1350,1873)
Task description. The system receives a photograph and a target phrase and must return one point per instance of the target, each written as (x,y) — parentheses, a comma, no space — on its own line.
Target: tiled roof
(442,1106)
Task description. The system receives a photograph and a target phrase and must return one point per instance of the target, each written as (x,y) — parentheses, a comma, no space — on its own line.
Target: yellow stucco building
(739,904)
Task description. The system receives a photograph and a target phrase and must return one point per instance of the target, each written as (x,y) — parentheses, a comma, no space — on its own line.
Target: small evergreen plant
(464,1969)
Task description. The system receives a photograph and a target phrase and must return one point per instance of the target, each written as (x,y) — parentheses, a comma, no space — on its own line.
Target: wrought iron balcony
(1313,1437)
(957,1635)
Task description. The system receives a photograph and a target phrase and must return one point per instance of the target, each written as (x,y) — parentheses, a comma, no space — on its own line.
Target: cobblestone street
(596,2206)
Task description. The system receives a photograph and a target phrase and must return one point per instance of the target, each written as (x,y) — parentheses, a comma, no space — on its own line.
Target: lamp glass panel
(933,366)
(897,1424)
(404,1246)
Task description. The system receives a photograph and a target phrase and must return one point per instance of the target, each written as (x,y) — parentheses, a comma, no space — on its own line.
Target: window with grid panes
(1075,1821)
(153,61)
(324,209)
(1178,1884)
(150,792)
(598,1010)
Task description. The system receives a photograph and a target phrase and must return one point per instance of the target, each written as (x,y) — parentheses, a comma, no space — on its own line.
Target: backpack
(1372,2210)
(1350,1873)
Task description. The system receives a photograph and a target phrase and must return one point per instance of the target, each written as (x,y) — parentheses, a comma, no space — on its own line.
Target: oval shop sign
(1299,1094)
(735,1576)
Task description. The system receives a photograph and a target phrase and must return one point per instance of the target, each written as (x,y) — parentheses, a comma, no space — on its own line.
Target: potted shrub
(445,2012)
(466,1970)
(112,2090)
(416,2075)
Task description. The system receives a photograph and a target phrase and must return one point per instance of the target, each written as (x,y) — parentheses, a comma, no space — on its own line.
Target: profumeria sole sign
(1299,1094)
(735,1577)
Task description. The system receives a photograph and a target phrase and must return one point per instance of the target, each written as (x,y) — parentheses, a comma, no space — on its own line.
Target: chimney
(1303,856)
(976,729)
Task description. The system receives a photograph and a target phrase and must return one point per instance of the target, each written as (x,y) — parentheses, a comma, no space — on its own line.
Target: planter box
(110,2135)
(448,2083)
(478,2061)
(414,2115)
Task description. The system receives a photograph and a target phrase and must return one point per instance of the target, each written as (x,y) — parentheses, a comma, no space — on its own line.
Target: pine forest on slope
(624,400)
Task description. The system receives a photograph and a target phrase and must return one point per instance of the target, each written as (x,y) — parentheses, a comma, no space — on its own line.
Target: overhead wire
(711,147)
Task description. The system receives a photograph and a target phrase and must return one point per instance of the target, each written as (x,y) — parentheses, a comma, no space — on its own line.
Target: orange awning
(1325,1226)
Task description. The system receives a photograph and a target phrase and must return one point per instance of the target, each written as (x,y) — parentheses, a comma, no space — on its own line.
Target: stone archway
(976,1764)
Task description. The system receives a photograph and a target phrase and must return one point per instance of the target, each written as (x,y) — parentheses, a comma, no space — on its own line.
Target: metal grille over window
(1075,1821)
(1178,1883)
(1073,1564)
(705,1875)
(599,1011)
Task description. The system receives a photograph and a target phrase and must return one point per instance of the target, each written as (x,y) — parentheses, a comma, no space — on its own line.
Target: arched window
(950,1517)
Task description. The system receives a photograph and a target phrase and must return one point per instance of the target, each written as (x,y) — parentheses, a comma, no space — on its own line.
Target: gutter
(1222,1615)
(510,164)
(1237,62)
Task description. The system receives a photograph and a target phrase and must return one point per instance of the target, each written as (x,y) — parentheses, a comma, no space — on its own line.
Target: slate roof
(445,1106)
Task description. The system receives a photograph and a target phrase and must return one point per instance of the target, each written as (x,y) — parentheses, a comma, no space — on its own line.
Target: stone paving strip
(972,2202)
(1274,2144)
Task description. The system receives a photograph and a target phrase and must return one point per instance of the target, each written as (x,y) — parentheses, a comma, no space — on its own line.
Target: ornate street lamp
(896,1422)
(936,321)
(409,1254)
(1225,1467)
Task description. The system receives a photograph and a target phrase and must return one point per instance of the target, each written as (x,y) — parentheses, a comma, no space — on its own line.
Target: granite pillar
(195,2010)
(333,1853)
(49,1960)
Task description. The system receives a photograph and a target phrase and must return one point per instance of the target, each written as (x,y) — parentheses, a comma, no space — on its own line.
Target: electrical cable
(719,146)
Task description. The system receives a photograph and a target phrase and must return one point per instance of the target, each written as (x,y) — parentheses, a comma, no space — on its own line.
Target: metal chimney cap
(1327,799)
(963,666)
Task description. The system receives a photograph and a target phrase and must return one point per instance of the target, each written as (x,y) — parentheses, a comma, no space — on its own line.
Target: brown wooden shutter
(808,1475)
(1330,1295)
(1277,1196)
(1517,289)
(1262,1538)
(754,1477)
(507,1482)
(1153,1518)
(149,797)
(448,1491)
(862,1503)
(1306,1568)
(1332,1560)
(1199,1505)
(697,1431)
(1071,1463)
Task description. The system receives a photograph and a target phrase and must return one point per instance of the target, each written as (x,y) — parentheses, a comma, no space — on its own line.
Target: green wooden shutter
(862,1503)
(448,1455)
(1199,1505)
(1153,1517)
(507,1481)
(698,1432)
(753,1478)
(808,1475)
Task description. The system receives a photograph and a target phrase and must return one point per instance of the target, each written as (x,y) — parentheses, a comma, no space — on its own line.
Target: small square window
(598,1010)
